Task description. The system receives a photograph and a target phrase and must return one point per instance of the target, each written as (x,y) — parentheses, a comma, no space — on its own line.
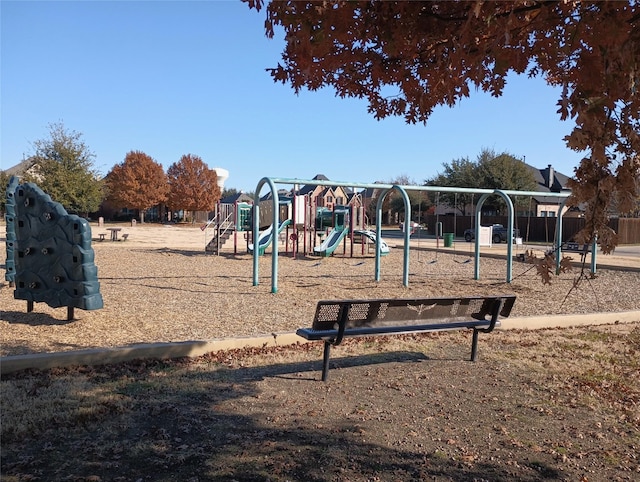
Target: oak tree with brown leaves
(406,58)
(193,186)
(137,183)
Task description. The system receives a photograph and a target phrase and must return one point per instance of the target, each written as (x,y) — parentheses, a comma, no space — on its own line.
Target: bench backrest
(576,247)
(394,312)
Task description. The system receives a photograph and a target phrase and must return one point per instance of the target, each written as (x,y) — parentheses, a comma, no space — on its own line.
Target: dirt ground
(561,404)
(160,286)
(555,404)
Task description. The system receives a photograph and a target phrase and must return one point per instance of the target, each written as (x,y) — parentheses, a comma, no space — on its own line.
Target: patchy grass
(561,404)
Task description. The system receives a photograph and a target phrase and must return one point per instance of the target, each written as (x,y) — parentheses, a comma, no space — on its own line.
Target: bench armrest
(497,307)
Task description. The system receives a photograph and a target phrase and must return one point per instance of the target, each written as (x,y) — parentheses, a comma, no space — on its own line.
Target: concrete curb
(566,321)
(103,356)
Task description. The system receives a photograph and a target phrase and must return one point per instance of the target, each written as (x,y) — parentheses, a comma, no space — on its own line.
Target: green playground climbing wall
(52,260)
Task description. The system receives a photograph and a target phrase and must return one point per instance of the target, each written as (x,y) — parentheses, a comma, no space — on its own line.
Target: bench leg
(474,346)
(325,361)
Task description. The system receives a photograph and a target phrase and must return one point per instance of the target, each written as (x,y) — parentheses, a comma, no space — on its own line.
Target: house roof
(326,190)
(370,192)
(237,197)
(283,196)
(19,168)
(549,180)
(351,195)
(307,188)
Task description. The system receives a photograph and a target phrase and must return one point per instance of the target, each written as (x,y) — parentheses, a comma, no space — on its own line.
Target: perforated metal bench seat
(336,319)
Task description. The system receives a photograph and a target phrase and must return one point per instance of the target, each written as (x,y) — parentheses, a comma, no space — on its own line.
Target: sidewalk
(624,257)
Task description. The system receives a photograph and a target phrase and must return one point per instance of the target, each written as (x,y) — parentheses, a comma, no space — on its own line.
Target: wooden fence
(536,229)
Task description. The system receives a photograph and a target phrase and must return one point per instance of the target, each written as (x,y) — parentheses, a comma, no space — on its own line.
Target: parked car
(412,225)
(499,234)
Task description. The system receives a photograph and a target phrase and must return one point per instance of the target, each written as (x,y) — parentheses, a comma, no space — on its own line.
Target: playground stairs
(222,235)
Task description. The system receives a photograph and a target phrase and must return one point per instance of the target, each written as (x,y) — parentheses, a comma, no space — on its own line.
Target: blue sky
(175,78)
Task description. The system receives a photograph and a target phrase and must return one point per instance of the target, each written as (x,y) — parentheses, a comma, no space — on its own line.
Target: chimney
(550,176)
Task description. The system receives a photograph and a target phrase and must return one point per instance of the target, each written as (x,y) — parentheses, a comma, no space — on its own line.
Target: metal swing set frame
(386,189)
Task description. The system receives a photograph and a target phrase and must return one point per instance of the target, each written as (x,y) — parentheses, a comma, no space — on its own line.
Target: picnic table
(114,233)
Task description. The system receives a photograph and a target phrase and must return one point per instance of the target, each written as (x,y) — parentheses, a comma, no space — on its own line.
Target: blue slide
(265,237)
(330,244)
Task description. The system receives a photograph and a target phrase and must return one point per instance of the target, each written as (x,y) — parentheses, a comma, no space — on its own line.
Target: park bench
(572,247)
(335,320)
(102,236)
(125,236)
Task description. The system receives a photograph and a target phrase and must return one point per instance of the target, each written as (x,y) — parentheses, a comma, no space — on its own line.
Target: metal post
(474,346)
(558,244)
(407,232)
(218,232)
(256,234)
(402,189)
(476,267)
(325,361)
(510,217)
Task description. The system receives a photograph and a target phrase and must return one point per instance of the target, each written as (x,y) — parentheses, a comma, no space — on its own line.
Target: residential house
(326,196)
(548,180)
(21,168)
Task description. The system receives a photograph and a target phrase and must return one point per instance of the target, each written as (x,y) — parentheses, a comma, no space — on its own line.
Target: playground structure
(267,236)
(335,236)
(228,221)
(484,194)
(303,228)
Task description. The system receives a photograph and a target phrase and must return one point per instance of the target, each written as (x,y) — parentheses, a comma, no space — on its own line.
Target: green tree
(137,183)
(4,182)
(63,168)
(504,171)
(406,58)
(419,200)
(489,171)
(232,191)
(229,192)
(458,173)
